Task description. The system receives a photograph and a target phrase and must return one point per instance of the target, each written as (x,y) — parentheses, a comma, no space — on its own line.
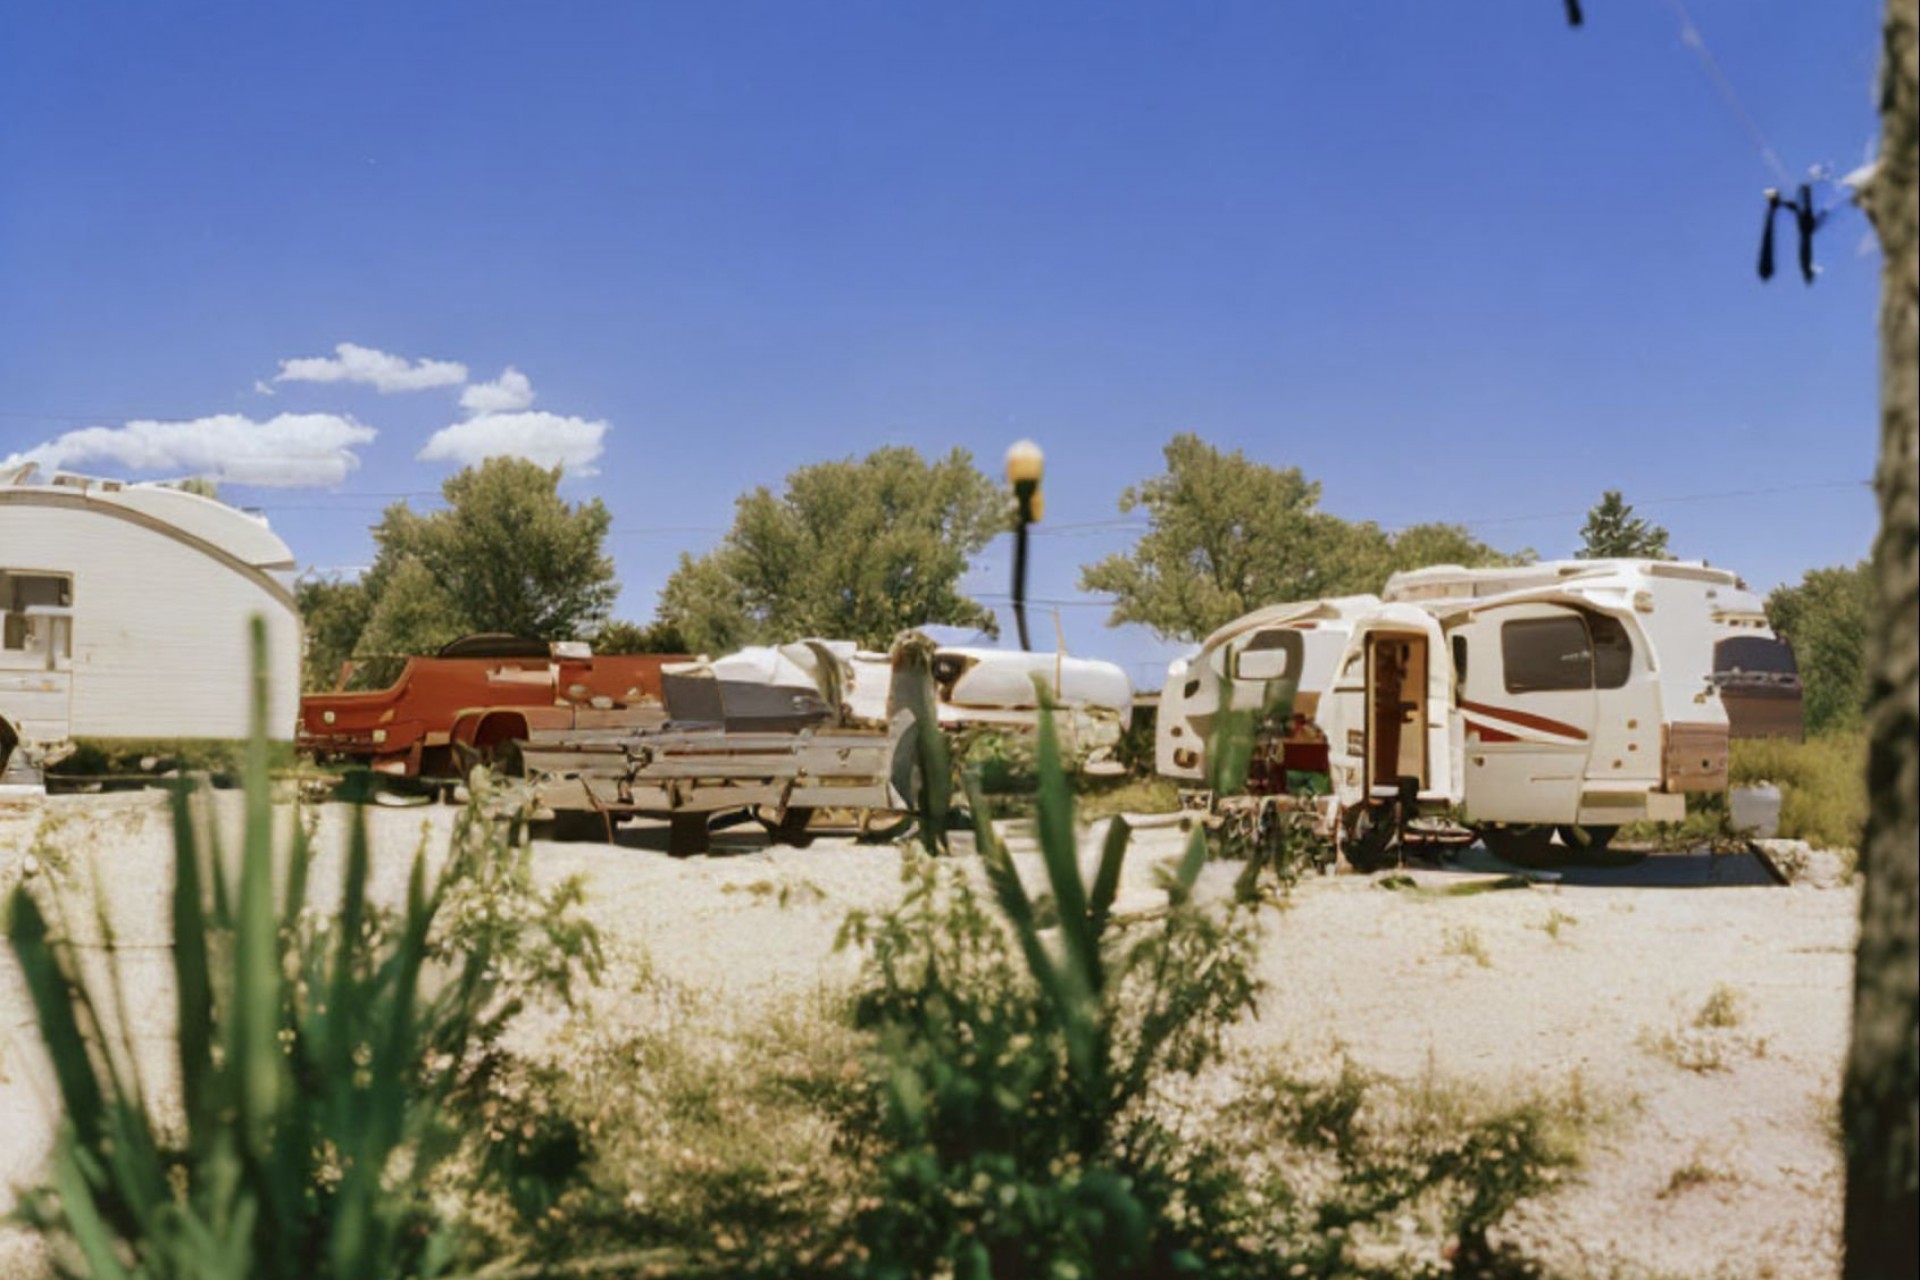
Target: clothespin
(1806,221)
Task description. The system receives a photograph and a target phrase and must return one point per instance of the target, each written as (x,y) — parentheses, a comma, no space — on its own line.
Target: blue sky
(1456,262)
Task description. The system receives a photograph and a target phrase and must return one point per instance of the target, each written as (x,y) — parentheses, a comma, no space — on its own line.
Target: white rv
(1708,627)
(124,615)
(1551,707)
(1237,665)
(790,686)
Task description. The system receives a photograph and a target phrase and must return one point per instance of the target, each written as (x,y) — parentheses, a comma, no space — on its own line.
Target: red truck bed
(439,704)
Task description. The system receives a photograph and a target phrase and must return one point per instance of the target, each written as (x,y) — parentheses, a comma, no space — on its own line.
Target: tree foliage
(859,549)
(620,636)
(1227,535)
(507,554)
(1826,618)
(1613,531)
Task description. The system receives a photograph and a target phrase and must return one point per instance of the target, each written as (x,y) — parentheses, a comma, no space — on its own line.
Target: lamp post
(1024,464)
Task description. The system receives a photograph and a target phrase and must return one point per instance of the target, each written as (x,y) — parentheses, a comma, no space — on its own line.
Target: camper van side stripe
(1526,720)
(34,498)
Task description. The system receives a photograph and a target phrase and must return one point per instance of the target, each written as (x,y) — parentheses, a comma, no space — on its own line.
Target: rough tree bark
(1880,1100)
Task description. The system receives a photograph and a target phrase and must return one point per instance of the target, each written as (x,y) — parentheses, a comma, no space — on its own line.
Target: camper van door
(1529,708)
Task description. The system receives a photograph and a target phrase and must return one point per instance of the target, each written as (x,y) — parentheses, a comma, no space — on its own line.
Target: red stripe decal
(1526,720)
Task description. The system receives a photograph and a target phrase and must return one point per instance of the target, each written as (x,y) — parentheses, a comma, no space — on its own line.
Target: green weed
(323,1061)
(1015,1062)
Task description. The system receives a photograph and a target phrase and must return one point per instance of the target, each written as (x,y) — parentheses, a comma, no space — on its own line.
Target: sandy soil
(1585,977)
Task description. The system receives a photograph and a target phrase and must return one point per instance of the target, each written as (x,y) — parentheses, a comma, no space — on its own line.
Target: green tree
(335,614)
(1613,531)
(1826,617)
(507,553)
(630,637)
(1227,535)
(859,549)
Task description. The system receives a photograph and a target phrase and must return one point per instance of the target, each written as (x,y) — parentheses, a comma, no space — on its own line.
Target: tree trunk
(1880,1102)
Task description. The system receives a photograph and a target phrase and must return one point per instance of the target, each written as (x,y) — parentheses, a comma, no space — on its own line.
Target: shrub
(1359,1176)
(1015,1070)
(1822,781)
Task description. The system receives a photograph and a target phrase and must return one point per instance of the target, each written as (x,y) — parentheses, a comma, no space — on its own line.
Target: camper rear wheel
(1525,844)
(1368,838)
(1579,839)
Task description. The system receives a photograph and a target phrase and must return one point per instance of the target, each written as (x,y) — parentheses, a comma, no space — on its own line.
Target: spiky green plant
(1020,1051)
(316,1062)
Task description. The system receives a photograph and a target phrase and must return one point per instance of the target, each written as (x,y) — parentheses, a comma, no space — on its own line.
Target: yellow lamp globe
(1024,463)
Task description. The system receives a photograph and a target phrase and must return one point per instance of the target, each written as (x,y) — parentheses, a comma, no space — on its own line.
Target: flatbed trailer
(689,774)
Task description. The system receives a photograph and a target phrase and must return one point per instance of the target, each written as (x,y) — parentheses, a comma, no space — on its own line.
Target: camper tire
(788,828)
(1524,844)
(1581,839)
(1367,837)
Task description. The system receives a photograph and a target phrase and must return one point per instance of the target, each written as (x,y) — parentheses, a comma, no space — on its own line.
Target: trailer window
(1612,651)
(1460,660)
(20,592)
(1546,654)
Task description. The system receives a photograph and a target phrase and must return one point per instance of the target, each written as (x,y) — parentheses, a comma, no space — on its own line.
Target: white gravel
(1520,988)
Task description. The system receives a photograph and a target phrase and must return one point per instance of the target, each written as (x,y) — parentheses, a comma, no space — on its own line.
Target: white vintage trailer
(124,616)
(791,686)
(1547,708)
(1236,665)
(1709,628)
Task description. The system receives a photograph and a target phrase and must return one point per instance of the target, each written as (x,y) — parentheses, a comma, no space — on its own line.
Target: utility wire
(1690,36)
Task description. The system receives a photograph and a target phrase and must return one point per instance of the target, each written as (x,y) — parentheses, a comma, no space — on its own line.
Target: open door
(1389,710)
(1397,714)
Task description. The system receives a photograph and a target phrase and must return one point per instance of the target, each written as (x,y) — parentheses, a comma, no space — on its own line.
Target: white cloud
(510,393)
(290,451)
(385,373)
(546,438)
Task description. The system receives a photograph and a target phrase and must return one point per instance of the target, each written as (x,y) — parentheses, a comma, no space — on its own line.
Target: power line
(1690,36)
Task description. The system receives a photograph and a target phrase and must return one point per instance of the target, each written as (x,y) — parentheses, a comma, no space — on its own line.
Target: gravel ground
(1597,976)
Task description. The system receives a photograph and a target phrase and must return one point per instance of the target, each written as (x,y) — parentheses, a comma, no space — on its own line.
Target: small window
(20,592)
(1546,654)
(1612,651)
(1460,659)
(1270,655)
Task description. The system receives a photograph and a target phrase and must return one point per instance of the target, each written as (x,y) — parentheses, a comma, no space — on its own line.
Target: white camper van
(1234,668)
(1552,707)
(124,615)
(1709,628)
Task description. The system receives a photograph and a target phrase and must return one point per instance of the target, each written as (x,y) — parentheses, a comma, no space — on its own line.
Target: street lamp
(1024,464)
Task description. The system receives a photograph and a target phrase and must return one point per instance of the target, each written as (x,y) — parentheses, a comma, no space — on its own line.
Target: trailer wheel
(1524,844)
(1368,838)
(789,828)
(577,826)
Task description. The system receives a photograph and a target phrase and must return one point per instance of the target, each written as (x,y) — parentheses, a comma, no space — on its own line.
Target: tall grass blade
(193,992)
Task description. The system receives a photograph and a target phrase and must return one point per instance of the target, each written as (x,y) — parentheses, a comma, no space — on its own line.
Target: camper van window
(1270,655)
(1612,651)
(1545,654)
(20,592)
(1460,660)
